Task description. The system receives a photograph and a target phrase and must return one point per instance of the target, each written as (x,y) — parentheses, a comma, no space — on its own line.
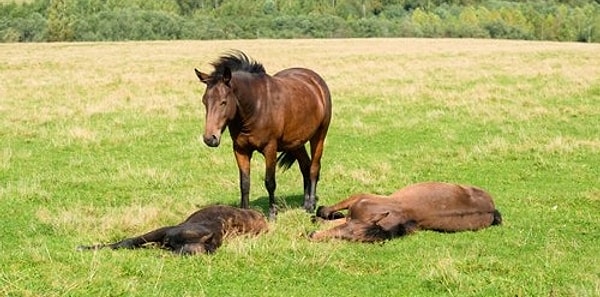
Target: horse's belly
(456,222)
(290,145)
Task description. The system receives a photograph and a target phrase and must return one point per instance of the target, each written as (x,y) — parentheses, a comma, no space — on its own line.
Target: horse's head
(220,103)
(191,239)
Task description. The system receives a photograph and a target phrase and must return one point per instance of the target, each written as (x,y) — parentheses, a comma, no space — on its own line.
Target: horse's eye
(223,103)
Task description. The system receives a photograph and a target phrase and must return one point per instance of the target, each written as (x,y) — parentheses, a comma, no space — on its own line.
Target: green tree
(468,23)
(60,23)
(188,7)
(428,24)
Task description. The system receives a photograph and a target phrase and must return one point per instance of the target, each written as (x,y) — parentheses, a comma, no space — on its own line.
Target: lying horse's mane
(235,60)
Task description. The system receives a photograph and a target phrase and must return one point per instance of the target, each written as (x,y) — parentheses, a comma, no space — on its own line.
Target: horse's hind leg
(304,163)
(133,242)
(316,152)
(157,235)
(270,153)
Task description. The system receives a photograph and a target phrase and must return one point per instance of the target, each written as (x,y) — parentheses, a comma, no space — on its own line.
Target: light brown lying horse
(434,206)
(202,232)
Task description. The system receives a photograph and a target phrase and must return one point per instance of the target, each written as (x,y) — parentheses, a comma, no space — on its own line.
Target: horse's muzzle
(212,140)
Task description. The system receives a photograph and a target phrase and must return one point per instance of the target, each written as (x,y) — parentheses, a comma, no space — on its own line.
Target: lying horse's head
(192,239)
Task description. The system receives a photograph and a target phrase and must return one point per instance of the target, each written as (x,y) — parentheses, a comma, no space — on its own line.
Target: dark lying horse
(424,206)
(201,232)
(268,114)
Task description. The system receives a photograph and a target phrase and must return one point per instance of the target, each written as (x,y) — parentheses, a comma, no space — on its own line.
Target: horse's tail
(285,160)
(497,218)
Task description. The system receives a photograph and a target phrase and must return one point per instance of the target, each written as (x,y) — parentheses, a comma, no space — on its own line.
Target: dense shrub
(23,29)
(99,20)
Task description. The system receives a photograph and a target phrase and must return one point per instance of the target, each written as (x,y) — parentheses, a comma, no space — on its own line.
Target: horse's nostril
(211,140)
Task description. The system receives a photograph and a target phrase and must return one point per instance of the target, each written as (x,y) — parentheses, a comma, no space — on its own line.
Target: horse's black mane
(235,60)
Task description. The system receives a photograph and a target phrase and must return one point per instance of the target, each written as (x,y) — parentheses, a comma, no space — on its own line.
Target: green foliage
(60,23)
(143,20)
(131,24)
(187,7)
(24,29)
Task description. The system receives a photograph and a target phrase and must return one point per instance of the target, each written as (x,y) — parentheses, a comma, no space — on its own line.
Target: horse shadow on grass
(283,203)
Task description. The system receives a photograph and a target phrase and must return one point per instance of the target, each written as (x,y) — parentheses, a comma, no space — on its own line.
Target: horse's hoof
(309,207)
(321,212)
(337,215)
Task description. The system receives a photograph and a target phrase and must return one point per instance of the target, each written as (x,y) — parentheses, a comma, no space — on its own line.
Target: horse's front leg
(270,153)
(243,161)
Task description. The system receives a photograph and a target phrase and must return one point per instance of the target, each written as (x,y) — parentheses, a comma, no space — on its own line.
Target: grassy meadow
(99,141)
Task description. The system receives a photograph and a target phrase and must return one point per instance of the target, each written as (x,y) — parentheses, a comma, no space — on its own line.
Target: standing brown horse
(268,114)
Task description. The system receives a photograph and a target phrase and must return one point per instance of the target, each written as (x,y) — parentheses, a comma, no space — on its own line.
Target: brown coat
(202,232)
(424,206)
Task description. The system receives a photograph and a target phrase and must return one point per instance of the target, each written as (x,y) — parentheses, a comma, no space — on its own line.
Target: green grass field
(99,141)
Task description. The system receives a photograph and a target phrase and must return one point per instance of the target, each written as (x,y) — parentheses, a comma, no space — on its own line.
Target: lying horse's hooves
(80,248)
(321,212)
(497,218)
(89,247)
(336,215)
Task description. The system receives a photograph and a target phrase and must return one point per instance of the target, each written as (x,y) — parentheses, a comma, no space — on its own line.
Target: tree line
(114,20)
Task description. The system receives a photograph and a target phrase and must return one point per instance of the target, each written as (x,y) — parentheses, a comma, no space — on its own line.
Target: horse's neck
(250,102)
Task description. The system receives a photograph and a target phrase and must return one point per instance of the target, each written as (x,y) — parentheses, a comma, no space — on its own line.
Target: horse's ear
(227,76)
(202,76)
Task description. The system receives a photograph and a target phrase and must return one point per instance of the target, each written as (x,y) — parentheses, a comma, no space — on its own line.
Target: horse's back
(235,220)
(303,107)
(448,207)
(439,194)
(306,83)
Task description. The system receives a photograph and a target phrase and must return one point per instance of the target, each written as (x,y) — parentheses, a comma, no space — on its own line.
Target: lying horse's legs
(355,230)
(342,231)
(329,212)
(157,235)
